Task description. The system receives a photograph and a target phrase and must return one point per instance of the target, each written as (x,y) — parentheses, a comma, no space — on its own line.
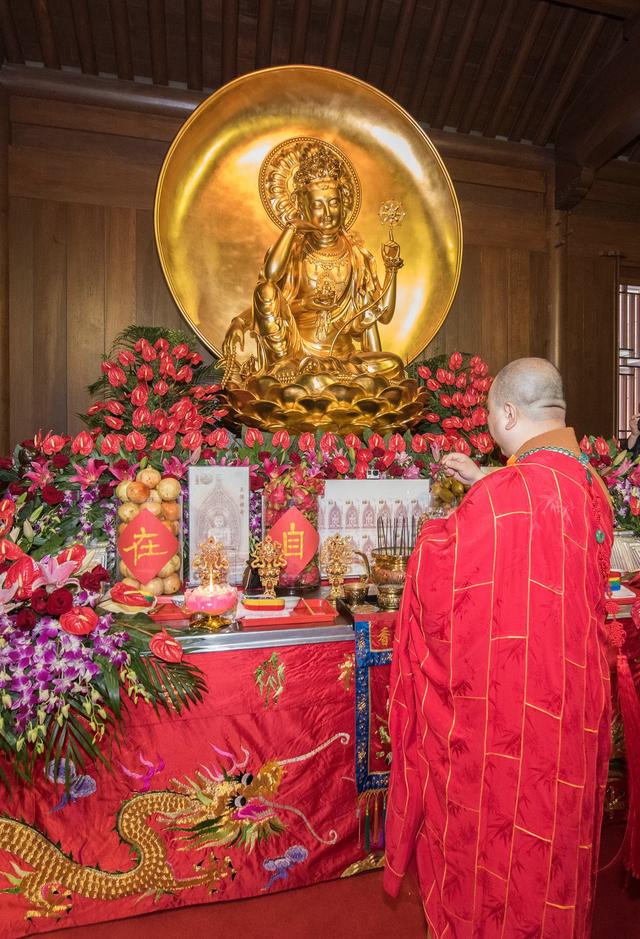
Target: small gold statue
(268,559)
(336,556)
(317,305)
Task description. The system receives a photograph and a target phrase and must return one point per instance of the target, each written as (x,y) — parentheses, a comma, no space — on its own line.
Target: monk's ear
(511,415)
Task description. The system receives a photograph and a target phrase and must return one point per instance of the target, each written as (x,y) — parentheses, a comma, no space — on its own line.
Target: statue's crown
(317,163)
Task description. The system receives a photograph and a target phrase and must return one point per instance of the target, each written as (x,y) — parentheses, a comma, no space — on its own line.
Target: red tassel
(630,709)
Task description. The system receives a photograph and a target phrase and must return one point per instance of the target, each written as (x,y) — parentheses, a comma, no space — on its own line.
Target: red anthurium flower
(461,381)
(125,357)
(9,551)
(110,444)
(219,438)
(79,621)
(361,470)
(328,443)
(375,440)
(140,395)
(281,439)
(116,376)
(585,446)
(462,446)
(166,441)
(95,408)
(115,423)
(341,463)
(433,385)
(419,443)
(397,443)
(484,443)
(166,647)
(144,373)
(306,442)
(7,513)
(141,417)
(147,352)
(115,407)
(424,372)
(75,552)
(161,344)
(445,401)
(184,374)
(352,441)
(601,446)
(53,443)
(22,572)
(181,351)
(129,595)
(192,440)
(160,388)
(441,375)
(134,441)
(196,359)
(455,361)
(432,417)
(253,437)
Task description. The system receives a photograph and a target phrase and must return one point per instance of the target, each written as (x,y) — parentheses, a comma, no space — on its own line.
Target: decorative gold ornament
(323,340)
(211,562)
(268,559)
(336,557)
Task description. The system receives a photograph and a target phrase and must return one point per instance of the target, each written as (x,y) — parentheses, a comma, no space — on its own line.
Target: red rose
(82,443)
(115,423)
(253,437)
(59,460)
(166,647)
(75,552)
(116,377)
(110,444)
(93,580)
(39,599)
(192,440)
(455,361)
(26,619)
(51,495)
(6,463)
(160,388)
(424,372)
(341,463)
(281,439)
(135,441)
(53,443)
(79,621)
(141,417)
(307,442)
(184,374)
(397,443)
(15,489)
(166,441)
(59,601)
(601,446)
(181,350)
(328,443)
(126,358)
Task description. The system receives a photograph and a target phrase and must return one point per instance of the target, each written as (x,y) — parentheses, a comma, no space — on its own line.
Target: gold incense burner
(388,573)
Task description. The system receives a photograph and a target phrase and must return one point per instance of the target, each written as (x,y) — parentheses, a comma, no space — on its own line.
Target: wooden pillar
(5,443)
(558,255)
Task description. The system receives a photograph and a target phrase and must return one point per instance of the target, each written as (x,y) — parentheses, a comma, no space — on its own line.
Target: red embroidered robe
(500,700)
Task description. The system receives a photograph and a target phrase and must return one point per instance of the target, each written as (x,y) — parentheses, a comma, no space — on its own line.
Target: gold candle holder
(336,556)
(214,602)
(268,559)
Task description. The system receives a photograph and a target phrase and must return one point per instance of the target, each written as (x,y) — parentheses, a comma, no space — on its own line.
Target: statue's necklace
(326,262)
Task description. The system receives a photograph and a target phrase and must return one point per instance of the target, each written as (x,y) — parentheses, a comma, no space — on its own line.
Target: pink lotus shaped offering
(214,602)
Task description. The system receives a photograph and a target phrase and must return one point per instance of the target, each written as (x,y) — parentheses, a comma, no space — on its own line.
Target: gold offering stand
(212,565)
(268,559)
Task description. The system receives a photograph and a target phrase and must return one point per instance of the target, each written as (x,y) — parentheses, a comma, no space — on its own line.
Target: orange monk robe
(500,700)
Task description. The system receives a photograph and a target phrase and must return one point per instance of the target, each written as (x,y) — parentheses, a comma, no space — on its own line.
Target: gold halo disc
(213,228)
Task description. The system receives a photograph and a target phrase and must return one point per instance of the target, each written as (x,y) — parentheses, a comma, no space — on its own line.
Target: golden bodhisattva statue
(319,361)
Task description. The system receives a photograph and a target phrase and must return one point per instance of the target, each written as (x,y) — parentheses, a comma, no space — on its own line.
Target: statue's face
(323,204)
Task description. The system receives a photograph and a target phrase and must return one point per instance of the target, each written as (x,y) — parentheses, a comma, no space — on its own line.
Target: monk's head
(526,399)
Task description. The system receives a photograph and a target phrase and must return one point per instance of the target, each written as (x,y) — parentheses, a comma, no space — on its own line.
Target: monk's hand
(462,468)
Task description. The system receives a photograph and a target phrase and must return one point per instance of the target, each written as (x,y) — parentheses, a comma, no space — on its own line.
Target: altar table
(253,790)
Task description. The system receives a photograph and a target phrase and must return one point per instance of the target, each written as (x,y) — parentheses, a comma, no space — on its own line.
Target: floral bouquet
(296,489)
(64,663)
(621,474)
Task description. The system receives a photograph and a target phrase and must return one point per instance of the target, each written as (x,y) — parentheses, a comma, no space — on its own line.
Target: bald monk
(499,710)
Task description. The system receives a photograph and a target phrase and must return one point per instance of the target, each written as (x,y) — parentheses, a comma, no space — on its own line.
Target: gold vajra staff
(268,559)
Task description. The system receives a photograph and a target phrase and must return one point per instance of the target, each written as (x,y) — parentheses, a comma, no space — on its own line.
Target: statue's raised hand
(302,226)
(391,256)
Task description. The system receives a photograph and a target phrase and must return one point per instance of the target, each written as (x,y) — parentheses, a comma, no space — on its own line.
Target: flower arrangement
(621,474)
(65,664)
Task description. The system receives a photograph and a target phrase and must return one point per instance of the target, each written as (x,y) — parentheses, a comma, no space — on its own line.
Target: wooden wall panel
(52,369)
(120,307)
(25,398)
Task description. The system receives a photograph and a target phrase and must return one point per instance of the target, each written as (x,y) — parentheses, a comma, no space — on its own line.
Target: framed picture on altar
(356,508)
(219,508)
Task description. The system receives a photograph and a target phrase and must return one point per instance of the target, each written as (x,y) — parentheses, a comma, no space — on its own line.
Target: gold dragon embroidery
(216,809)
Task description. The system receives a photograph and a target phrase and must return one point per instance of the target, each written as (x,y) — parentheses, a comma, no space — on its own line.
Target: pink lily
(125,472)
(88,475)
(175,467)
(53,574)
(39,475)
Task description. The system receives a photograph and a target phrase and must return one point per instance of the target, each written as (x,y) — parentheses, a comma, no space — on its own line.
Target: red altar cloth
(500,707)
(251,791)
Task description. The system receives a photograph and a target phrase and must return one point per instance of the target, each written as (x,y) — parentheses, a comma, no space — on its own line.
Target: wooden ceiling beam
(434,33)
(299,28)
(121,38)
(569,79)
(158,42)
(264,33)
(486,69)
(618,8)
(516,68)
(603,119)
(229,64)
(367,37)
(84,36)
(398,49)
(334,33)
(9,34)
(463,45)
(46,37)
(549,62)
(193,41)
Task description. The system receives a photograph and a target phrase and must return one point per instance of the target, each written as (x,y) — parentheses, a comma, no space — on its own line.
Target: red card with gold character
(146,545)
(298,537)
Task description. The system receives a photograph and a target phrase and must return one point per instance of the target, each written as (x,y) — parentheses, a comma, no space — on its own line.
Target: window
(629,356)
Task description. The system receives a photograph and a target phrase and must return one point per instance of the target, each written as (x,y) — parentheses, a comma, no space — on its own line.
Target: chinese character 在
(144,545)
